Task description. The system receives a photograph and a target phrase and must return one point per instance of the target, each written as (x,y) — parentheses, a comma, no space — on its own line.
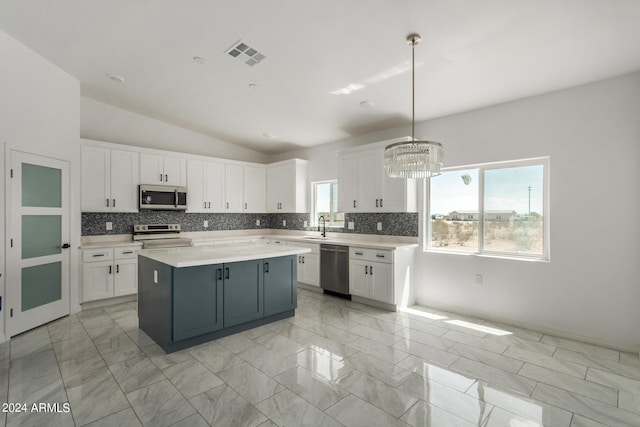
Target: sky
(505,189)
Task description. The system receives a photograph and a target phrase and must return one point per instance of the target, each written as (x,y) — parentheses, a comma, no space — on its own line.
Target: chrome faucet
(324,226)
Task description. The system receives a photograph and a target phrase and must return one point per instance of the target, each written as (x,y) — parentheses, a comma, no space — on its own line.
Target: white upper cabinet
(287,186)
(255,189)
(233,188)
(205,186)
(109,180)
(363,185)
(161,169)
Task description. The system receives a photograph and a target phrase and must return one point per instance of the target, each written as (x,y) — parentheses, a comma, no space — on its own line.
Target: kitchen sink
(315,238)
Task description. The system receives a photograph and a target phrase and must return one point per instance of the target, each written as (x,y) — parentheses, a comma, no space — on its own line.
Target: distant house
(500,215)
(463,216)
(488,215)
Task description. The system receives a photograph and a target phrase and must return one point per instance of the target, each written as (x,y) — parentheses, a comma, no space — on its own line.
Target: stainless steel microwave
(163,197)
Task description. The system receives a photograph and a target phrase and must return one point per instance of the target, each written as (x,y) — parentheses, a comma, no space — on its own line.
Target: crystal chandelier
(415,158)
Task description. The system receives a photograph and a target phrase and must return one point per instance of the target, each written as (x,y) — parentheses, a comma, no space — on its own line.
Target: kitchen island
(187,296)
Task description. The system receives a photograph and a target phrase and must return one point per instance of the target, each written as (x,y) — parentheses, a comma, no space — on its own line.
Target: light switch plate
(284,222)
(109,226)
(258,222)
(206,223)
(379,226)
(304,224)
(351,225)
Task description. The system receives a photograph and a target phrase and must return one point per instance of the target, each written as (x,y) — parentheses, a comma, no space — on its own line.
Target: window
(325,203)
(496,209)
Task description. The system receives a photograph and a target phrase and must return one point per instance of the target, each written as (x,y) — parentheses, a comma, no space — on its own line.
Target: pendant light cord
(413,88)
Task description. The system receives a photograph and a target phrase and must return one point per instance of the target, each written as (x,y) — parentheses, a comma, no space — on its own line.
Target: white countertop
(346,241)
(206,255)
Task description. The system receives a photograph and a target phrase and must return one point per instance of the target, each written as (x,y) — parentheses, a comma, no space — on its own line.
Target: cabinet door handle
(160,177)
(366,269)
(107,202)
(354,203)
(359,253)
(209,205)
(303,260)
(127,252)
(377,205)
(226,273)
(97,255)
(114,203)
(227,205)
(219,274)
(245,206)
(110,269)
(166,178)
(371,270)
(380,256)
(266,267)
(204,205)
(117,268)
(299,259)
(380,202)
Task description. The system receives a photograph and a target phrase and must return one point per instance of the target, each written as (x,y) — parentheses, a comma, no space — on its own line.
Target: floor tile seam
(64,386)
(173,385)
(142,386)
(538,364)
(585,353)
(491,382)
(601,368)
(302,397)
(617,392)
(578,413)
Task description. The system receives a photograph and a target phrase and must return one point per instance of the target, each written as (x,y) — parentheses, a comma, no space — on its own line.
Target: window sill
(510,257)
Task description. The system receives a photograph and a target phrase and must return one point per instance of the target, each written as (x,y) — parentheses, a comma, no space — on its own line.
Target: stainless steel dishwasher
(334,269)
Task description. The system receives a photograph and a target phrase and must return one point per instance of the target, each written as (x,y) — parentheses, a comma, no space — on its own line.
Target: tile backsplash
(393,224)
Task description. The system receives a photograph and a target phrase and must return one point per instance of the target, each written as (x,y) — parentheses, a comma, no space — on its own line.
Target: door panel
(243,292)
(37,263)
(279,285)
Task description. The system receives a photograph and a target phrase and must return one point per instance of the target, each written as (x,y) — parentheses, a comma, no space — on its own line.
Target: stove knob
(144,227)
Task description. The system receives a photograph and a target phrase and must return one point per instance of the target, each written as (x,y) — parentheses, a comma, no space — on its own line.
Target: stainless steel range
(159,236)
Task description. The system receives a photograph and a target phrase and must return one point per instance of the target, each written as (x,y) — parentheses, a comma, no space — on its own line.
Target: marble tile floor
(335,363)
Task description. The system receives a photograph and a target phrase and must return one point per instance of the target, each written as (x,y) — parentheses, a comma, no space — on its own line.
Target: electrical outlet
(284,222)
(258,222)
(155,276)
(109,226)
(304,224)
(478,278)
(351,225)
(206,223)
(379,226)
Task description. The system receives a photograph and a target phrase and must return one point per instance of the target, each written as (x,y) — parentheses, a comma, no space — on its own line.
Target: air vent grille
(245,53)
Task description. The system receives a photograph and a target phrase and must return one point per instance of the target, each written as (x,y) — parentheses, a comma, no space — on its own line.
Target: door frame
(14,258)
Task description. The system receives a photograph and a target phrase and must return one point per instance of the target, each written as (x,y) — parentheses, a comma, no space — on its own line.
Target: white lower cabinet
(371,274)
(109,272)
(308,264)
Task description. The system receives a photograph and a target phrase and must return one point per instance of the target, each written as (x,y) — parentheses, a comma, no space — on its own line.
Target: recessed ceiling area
(313,64)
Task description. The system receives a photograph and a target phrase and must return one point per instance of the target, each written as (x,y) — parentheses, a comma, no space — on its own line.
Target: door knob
(65,246)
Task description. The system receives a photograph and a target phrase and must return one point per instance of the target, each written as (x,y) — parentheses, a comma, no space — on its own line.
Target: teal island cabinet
(187,296)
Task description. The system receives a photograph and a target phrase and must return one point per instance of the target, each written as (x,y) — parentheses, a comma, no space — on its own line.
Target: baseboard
(546,330)
(107,302)
(374,303)
(310,287)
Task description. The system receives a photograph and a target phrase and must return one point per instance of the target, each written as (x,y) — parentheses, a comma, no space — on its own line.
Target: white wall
(40,110)
(104,122)
(591,287)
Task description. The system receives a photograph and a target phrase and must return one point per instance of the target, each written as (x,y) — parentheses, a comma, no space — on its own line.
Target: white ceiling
(473,53)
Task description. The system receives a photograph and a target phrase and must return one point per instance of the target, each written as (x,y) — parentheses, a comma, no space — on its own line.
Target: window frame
(333,207)
(482,167)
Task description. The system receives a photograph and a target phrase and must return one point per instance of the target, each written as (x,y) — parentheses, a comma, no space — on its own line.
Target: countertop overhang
(194,256)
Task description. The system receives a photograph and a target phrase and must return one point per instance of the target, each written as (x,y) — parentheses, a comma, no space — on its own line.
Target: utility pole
(529,201)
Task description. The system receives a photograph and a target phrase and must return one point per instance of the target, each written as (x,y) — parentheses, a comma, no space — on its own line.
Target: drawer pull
(380,256)
(127,252)
(359,253)
(97,255)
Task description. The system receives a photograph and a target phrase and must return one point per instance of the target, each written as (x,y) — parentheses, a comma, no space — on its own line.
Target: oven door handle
(176,198)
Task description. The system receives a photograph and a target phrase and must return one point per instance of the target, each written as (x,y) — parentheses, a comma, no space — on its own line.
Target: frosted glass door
(38,291)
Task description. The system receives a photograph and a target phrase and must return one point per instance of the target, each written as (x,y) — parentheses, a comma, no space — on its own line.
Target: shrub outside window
(325,203)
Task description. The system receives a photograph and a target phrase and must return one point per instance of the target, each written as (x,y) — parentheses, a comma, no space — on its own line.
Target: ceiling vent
(244,52)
